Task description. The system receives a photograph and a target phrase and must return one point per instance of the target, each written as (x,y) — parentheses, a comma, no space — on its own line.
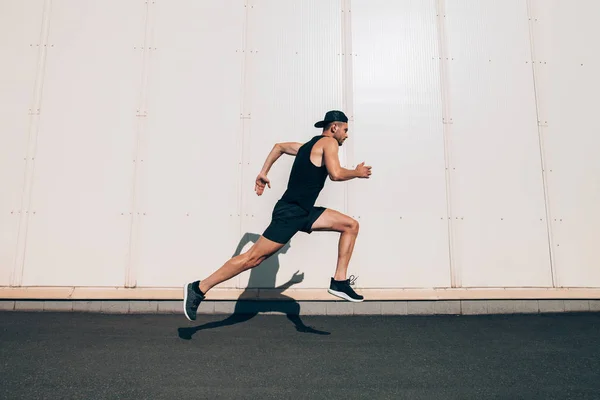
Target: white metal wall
(398,130)
(131,134)
(77,232)
(567,58)
(188,178)
(497,194)
(19,46)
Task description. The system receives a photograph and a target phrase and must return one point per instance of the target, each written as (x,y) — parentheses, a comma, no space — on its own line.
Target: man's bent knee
(353,226)
(251,262)
(259,252)
(253,259)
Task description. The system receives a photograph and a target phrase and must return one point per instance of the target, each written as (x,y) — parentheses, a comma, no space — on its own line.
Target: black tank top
(306,179)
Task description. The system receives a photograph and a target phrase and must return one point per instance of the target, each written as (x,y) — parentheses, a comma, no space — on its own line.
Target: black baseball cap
(332,116)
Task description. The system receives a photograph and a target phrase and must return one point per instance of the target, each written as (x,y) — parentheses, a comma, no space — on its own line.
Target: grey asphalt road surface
(98,356)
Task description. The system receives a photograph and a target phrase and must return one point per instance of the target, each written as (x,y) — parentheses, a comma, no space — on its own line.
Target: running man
(296,211)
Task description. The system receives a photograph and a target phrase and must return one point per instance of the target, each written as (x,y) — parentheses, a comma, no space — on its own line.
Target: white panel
(567,64)
(189,179)
(398,130)
(84,161)
(294,75)
(501,237)
(20,25)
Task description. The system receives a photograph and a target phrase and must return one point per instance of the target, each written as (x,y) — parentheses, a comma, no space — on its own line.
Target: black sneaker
(342,289)
(191,301)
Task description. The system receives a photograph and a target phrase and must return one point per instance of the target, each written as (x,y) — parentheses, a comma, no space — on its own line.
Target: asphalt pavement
(98,356)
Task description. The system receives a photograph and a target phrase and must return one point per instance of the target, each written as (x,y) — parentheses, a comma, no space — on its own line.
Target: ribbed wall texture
(398,129)
(497,191)
(131,134)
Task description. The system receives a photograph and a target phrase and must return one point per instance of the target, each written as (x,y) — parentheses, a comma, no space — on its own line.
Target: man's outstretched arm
(290,148)
(335,170)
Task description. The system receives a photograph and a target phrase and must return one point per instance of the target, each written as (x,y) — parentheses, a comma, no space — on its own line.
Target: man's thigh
(332,220)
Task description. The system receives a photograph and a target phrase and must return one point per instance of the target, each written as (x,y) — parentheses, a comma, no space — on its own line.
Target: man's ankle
(196,288)
(203,288)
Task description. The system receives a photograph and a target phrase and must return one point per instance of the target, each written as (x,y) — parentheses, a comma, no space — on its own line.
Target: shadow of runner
(262,276)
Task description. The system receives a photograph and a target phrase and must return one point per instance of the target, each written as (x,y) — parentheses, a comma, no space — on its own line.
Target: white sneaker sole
(185,297)
(343,296)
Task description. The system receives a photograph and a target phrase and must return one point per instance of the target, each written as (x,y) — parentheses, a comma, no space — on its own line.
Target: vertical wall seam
(348,99)
(348,84)
(540,128)
(132,259)
(16,278)
(455,276)
(245,125)
(343,6)
(242,109)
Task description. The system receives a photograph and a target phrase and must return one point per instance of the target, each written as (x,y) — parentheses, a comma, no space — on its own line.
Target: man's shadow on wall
(262,276)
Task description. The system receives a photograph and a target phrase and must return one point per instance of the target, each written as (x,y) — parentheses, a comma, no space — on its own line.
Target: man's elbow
(334,176)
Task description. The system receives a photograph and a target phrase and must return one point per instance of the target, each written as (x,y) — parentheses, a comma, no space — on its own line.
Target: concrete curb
(417,307)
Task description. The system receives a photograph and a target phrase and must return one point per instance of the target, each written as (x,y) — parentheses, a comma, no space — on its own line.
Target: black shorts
(288,219)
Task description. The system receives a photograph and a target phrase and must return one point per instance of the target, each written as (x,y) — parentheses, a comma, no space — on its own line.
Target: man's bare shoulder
(329,142)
